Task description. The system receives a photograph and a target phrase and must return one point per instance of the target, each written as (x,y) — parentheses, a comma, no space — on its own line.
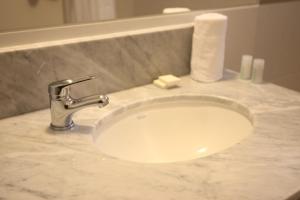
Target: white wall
(278,41)
(156,6)
(19,14)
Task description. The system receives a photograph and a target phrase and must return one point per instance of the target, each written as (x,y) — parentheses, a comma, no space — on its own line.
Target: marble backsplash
(119,63)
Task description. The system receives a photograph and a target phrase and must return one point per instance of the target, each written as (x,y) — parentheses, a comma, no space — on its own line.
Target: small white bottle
(258,71)
(246,67)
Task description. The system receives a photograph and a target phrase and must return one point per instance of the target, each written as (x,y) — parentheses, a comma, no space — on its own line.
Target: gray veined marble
(37,164)
(119,63)
(127,60)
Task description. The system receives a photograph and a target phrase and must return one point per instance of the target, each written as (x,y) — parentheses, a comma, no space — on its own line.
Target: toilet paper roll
(208,50)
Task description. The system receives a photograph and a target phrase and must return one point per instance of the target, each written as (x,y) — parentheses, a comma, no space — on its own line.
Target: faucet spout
(100,100)
(63,106)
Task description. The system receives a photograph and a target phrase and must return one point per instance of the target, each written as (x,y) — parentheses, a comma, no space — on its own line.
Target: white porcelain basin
(173,129)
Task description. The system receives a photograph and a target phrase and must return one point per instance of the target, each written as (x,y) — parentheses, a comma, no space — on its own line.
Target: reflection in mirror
(76,11)
(27,14)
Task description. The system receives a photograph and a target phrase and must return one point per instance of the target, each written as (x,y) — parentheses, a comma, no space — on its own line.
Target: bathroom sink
(171,129)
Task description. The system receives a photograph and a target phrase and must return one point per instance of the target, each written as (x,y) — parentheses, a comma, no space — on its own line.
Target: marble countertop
(36,163)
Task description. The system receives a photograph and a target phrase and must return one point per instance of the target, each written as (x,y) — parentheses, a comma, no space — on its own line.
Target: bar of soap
(166,81)
(169,80)
(160,84)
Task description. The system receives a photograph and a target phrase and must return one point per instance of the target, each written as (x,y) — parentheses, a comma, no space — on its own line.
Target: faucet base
(62,128)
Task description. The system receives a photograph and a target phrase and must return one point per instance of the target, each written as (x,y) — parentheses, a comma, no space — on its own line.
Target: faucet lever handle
(82,79)
(57,88)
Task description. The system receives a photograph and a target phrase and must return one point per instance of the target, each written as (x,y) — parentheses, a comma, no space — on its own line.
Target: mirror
(16,15)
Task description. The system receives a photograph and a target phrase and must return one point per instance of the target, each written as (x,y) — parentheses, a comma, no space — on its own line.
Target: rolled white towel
(208,51)
(175,10)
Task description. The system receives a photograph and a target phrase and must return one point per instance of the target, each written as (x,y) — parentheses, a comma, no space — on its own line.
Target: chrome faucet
(63,106)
